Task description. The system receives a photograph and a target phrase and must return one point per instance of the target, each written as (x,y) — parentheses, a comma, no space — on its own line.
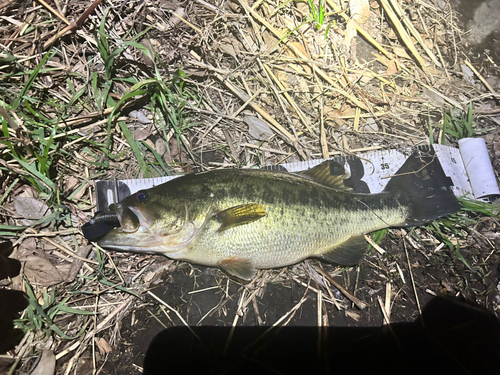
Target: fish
(243,220)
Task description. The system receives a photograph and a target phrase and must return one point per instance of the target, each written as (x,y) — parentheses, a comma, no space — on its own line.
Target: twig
(299,53)
(413,282)
(73,25)
(402,33)
(272,122)
(55,12)
(235,321)
(414,32)
(360,304)
(374,244)
(174,311)
(60,247)
(290,99)
(480,77)
(359,29)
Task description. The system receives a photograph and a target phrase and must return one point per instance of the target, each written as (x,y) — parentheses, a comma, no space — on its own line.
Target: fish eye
(142,196)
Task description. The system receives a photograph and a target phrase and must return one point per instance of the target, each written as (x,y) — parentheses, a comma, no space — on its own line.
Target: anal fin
(242,268)
(347,253)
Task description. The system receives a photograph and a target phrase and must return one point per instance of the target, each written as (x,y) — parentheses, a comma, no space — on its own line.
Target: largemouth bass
(245,220)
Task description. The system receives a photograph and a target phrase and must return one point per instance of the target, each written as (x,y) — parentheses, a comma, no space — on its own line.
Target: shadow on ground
(12,302)
(450,337)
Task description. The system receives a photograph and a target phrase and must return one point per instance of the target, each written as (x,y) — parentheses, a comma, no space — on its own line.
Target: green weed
(456,125)
(318,13)
(168,98)
(39,318)
(457,225)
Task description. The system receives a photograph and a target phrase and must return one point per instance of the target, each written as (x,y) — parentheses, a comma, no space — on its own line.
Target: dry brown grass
(202,73)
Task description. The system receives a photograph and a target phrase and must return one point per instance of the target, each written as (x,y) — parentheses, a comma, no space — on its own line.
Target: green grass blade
(468,121)
(27,86)
(461,257)
(71,310)
(57,330)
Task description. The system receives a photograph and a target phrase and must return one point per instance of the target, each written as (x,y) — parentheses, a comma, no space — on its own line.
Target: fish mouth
(131,219)
(119,218)
(129,222)
(133,230)
(120,221)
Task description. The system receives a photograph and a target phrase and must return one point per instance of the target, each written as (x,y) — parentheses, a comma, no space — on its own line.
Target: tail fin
(421,185)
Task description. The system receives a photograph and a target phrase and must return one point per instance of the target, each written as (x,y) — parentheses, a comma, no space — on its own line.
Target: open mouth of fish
(126,228)
(120,218)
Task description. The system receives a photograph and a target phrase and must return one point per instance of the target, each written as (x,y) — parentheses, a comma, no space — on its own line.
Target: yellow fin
(242,268)
(239,215)
(329,173)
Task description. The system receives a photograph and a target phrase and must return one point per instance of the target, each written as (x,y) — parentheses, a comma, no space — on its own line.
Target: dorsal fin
(329,173)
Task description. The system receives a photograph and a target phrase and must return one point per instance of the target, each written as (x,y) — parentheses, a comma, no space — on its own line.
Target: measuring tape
(469,168)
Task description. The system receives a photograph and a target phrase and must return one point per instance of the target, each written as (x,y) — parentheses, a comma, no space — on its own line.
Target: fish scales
(301,220)
(244,220)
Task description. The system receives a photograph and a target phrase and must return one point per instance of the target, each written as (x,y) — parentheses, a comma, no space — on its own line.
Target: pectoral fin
(347,253)
(242,268)
(239,215)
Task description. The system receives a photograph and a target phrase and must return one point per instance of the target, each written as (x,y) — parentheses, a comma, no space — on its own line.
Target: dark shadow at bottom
(456,338)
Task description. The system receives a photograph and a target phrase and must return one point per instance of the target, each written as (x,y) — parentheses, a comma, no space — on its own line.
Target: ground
(134,90)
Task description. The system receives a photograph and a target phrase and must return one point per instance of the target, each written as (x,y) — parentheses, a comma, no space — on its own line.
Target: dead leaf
(400,52)
(40,271)
(434,99)
(391,67)
(104,347)
(429,43)
(258,129)
(160,146)
(230,46)
(301,49)
(147,59)
(333,115)
(360,10)
(46,365)
(37,267)
(391,34)
(289,23)
(332,112)
(157,273)
(83,252)
(195,72)
(174,20)
(303,8)
(141,131)
(348,111)
(270,41)
(71,183)
(140,115)
(350,33)
(30,208)
(25,191)
(170,4)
